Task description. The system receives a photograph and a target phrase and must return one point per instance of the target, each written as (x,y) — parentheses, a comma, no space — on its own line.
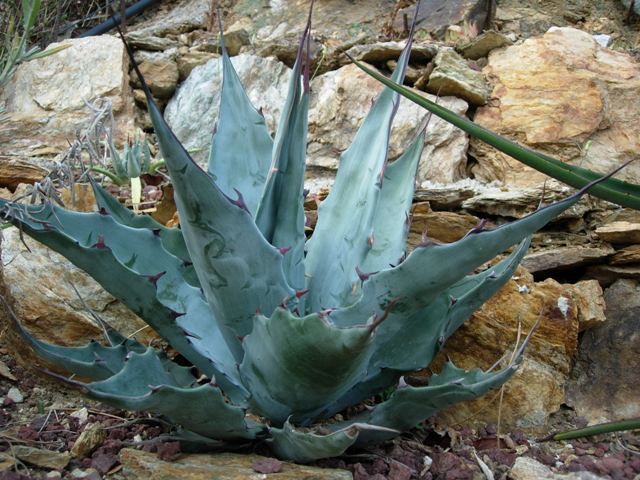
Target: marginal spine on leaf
(378,320)
(364,276)
(100,243)
(154,278)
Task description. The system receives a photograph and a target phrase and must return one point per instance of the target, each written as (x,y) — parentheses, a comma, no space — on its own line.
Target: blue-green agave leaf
(409,405)
(391,218)
(241,146)
(239,271)
(409,343)
(280,215)
(296,365)
(92,361)
(132,265)
(341,239)
(172,239)
(148,383)
(418,280)
(304,447)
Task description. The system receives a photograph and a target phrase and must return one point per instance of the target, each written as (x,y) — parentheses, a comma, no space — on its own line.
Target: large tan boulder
(538,388)
(564,94)
(46,99)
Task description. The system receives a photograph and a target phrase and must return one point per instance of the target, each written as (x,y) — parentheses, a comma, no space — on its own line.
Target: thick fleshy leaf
(391,219)
(172,239)
(304,447)
(133,266)
(92,361)
(407,343)
(341,239)
(280,215)
(409,405)
(616,191)
(239,271)
(295,365)
(431,269)
(146,383)
(241,146)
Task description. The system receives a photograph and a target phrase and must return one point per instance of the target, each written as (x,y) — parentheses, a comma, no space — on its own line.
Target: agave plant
(128,167)
(288,332)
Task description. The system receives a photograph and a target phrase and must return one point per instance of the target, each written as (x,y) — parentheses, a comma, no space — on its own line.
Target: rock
(588,298)
(562,258)
(90,438)
(608,274)
(339,102)
(172,19)
(440,226)
(435,16)
(537,389)
(443,197)
(190,59)
(381,52)
(139,40)
(39,284)
(193,111)
(567,96)
(619,232)
(5,372)
(453,76)
(82,414)
(630,254)
(45,99)
(234,40)
(161,75)
(15,395)
(604,384)
(276,27)
(14,171)
(526,468)
(516,202)
(483,44)
(341,99)
(222,466)
(40,457)
(80,198)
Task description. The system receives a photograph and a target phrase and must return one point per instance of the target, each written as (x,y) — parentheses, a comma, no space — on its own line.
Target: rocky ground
(559,90)
(49,432)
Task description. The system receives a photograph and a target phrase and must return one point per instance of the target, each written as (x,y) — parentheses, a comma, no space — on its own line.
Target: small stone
(40,457)
(453,76)
(483,44)
(620,232)
(82,414)
(6,372)
(88,474)
(53,475)
(90,438)
(15,395)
